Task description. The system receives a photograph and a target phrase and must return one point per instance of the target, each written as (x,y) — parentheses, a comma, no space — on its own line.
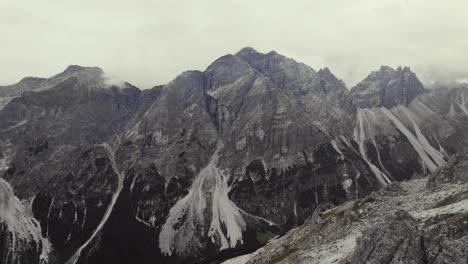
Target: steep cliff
(209,165)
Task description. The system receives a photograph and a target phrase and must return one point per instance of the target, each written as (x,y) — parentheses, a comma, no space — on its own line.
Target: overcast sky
(150,42)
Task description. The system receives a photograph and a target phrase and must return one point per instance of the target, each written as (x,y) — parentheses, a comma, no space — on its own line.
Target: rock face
(440,239)
(456,170)
(206,166)
(388,88)
(396,241)
(404,222)
(27,84)
(21,240)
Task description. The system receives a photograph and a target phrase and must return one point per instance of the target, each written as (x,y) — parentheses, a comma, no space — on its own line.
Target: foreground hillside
(423,220)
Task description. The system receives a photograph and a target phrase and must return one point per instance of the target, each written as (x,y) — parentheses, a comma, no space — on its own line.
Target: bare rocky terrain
(215,163)
(407,222)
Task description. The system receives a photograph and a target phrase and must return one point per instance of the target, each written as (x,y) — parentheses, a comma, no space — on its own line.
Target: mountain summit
(211,165)
(387,87)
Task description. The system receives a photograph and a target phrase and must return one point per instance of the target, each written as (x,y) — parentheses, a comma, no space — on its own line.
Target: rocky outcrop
(7,93)
(21,240)
(456,170)
(89,77)
(388,88)
(440,239)
(25,85)
(395,241)
(372,230)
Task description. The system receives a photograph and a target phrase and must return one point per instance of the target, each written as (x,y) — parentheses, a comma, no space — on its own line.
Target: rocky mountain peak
(273,53)
(385,68)
(284,72)
(26,84)
(227,70)
(90,77)
(404,69)
(247,51)
(77,69)
(330,83)
(389,72)
(387,87)
(325,71)
(31,79)
(216,163)
(84,73)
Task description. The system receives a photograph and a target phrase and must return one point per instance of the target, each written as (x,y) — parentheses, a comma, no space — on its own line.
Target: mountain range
(203,168)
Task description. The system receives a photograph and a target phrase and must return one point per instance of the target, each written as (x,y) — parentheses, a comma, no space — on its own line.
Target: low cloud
(112,80)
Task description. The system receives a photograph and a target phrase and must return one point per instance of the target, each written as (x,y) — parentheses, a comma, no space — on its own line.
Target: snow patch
(430,157)
(240,145)
(48,215)
(21,225)
(160,138)
(321,128)
(207,200)
(461,103)
(347,184)
(4,101)
(84,217)
(7,154)
(441,149)
(372,139)
(21,123)
(335,146)
(260,133)
(360,138)
(435,155)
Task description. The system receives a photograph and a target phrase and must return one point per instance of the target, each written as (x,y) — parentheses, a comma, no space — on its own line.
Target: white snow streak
(21,224)
(111,155)
(452,111)
(335,146)
(84,216)
(48,216)
(208,197)
(295,208)
(441,149)
(360,137)
(347,184)
(372,137)
(7,154)
(461,103)
(430,156)
(75,219)
(435,155)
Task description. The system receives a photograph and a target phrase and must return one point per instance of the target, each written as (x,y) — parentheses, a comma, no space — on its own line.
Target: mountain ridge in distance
(262,135)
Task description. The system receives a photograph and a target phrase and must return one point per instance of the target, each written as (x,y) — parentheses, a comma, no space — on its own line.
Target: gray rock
(289,143)
(456,170)
(400,239)
(395,241)
(388,88)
